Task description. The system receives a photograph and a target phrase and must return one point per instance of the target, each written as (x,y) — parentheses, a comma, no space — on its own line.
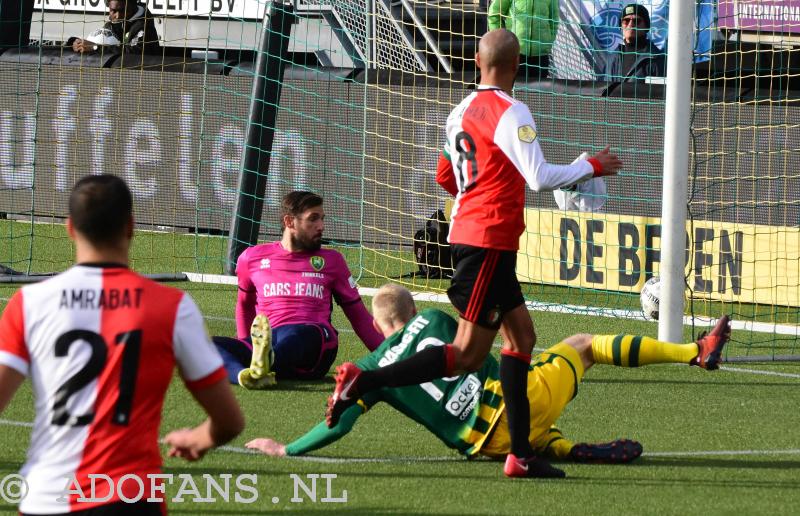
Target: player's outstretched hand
(267,447)
(609,161)
(185,444)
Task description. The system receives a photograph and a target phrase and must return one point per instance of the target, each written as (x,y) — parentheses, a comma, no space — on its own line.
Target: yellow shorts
(552,383)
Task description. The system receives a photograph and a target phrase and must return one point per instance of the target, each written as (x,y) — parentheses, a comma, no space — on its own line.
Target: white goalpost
(676,169)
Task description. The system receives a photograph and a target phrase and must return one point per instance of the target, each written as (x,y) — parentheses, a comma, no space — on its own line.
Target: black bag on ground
(431,249)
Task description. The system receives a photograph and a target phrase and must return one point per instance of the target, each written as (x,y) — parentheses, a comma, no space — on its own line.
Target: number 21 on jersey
(132,340)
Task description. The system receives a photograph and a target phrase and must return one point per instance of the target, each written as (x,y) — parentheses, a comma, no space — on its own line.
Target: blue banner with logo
(606,24)
(705,30)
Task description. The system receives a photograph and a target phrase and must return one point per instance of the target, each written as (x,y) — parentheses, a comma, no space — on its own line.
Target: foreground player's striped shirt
(492,150)
(100,345)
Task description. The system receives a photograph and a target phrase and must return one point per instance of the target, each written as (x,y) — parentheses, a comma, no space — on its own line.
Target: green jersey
(459,410)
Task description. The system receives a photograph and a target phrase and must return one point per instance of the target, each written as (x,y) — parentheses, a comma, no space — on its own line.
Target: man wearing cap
(130,29)
(637,57)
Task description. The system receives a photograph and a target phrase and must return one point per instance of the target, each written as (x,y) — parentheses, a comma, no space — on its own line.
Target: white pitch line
(359,460)
(213,279)
(498,344)
(337,460)
(343,460)
(307,458)
(218,318)
(721,452)
(536,306)
(756,371)
(9,422)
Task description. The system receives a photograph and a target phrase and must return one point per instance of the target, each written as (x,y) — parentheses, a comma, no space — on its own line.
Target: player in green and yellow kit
(467,412)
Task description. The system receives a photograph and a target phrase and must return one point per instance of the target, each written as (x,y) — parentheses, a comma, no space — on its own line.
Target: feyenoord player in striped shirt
(492,151)
(100,344)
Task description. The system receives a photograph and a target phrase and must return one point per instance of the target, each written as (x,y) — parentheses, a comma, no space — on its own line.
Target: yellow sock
(635,351)
(554,445)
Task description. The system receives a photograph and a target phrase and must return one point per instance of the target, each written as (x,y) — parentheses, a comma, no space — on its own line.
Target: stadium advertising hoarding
(724,261)
(178,140)
(760,15)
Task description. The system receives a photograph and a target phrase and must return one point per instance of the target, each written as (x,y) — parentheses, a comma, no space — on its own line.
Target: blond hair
(392,304)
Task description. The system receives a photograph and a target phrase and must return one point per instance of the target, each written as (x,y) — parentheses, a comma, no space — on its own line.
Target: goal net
(366,89)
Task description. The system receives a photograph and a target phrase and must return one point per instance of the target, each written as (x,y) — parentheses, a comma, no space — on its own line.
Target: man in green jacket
(535,23)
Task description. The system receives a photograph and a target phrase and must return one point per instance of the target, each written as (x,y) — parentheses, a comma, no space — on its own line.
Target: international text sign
(760,15)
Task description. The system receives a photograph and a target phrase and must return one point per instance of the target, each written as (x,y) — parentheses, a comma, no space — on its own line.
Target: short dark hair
(100,208)
(297,202)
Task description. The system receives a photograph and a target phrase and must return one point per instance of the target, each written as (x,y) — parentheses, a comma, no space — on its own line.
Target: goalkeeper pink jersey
(296,288)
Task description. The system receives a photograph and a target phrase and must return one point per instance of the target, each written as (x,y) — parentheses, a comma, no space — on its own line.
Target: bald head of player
(100,219)
(498,59)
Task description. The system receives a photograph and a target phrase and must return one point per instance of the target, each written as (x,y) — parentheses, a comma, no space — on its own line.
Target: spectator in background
(535,23)
(129,29)
(637,57)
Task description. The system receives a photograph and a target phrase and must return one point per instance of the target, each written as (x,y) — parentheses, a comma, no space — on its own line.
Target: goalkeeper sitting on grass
(468,413)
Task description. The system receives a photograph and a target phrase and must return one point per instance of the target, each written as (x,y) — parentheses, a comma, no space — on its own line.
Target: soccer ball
(103,37)
(650,297)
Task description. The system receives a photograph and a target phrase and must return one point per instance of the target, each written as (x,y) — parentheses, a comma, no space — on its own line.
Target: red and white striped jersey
(492,150)
(100,345)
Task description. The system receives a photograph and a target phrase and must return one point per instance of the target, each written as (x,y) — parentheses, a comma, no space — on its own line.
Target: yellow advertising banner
(724,261)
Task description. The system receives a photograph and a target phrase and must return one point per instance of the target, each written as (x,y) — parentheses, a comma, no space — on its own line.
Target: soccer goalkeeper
(467,412)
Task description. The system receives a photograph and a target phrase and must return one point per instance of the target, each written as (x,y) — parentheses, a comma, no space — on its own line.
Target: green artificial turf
(721,442)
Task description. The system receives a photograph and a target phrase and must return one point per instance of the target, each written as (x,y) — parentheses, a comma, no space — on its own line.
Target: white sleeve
(446,150)
(15,363)
(516,137)
(195,353)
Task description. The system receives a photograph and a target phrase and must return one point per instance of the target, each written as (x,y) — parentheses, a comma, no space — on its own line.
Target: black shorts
(484,285)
